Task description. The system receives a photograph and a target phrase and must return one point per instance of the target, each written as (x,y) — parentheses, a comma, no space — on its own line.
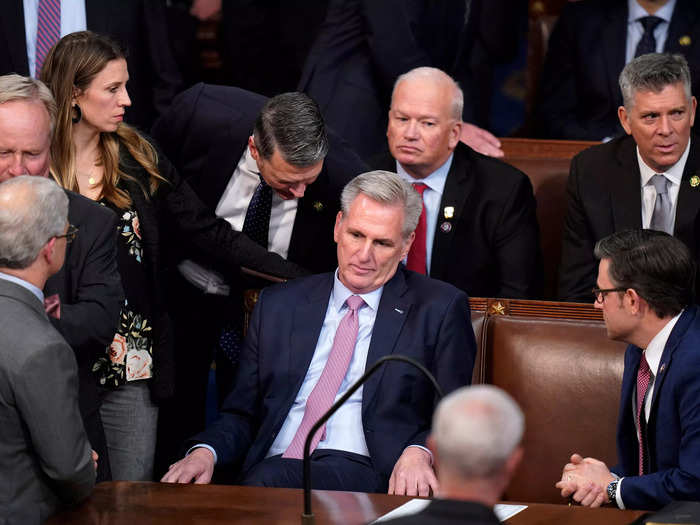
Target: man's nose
(298,190)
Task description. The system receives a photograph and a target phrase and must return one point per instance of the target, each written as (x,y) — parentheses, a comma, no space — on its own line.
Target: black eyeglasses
(70,234)
(599,293)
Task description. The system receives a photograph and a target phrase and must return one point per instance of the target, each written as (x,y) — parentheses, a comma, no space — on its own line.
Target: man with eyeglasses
(44,451)
(645,291)
(83,297)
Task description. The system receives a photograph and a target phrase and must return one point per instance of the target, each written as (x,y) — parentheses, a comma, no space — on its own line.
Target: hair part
(71,65)
(436,75)
(656,265)
(292,124)
(387,188)
(16,87)
(653,72)
(476,430)
(32,210)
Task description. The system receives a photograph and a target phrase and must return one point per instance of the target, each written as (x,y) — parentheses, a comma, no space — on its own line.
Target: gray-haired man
(45,456)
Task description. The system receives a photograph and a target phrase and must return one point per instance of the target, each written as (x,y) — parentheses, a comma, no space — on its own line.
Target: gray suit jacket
(45,456)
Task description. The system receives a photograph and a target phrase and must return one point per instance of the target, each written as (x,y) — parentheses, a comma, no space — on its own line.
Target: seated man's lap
(330,470)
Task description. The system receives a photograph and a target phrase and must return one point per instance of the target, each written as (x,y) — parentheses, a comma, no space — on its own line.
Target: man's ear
(624,116)
(407,245)
(48,252)
(514,461)
(336,228)
(455,134)
(634,301)
(253,149)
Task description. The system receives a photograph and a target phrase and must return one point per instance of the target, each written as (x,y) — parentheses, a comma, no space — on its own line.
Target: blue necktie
(647,44)
(257,218)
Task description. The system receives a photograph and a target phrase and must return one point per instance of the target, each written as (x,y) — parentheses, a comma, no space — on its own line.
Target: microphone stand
(307,517)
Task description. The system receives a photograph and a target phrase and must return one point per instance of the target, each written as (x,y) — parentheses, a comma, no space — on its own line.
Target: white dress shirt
(432,196)
(635,30)
(674,175)
(24,284)
(232,207)
(652,353)
(72,19)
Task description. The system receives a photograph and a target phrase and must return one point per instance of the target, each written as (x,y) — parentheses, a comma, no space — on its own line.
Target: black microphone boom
(307,518)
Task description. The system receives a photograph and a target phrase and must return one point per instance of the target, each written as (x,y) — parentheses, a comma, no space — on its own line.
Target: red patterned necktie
(48,30)
(417,255)
(643,378)
(323,394)
(52,306)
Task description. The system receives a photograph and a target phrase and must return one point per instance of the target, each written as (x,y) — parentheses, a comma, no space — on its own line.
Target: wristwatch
(612,490)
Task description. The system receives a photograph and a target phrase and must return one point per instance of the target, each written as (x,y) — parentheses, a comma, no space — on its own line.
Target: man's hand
(481,140)
(197,465)
(205,9)
(412,474)
(94,459)
(586,481)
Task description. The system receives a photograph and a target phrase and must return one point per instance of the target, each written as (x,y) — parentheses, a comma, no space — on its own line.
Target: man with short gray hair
(310,339)
(647,179)
(44,451)
(476,444)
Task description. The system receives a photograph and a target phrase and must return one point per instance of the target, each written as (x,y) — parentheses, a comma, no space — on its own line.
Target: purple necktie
(643,378)
(48,30)
(323,394)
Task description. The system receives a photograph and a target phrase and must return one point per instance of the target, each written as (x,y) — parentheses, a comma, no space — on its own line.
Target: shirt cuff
(209,448)
(618,495)
(423,448)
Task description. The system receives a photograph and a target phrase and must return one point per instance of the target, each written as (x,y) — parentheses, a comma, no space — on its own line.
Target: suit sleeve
(214,238)
(91,319)
(46,392)
(517,244)
(577,273)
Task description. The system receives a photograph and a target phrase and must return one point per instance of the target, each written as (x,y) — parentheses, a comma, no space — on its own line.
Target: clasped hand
(585,480)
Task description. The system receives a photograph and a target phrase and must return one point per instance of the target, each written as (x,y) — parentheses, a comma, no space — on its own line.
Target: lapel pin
(448,212)
(662,368)
(685,40)
(446,227)
(695,181)
(318,206)
(397,310)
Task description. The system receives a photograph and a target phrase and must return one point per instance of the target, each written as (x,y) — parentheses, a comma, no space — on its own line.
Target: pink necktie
(48,30)
(52,306)
(417,254)
(643,378)
(323,394)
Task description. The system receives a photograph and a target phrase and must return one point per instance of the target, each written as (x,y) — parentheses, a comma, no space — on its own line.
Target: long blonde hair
(72,64)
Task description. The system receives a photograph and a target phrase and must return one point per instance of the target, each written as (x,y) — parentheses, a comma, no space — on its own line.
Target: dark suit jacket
(603,192)
(673,431)
(492,248)
(205,134)
(364,45)
(418,317)
(139,25)
(44,453)
(441,511)
(579,93)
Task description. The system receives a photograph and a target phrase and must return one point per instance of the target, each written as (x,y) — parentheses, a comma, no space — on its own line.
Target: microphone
(307,517)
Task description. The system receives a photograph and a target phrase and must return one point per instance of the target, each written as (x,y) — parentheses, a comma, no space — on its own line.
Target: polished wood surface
(122,502)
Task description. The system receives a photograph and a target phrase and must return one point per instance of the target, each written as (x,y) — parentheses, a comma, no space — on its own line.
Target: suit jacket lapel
(391,315)
(614,38)
(625,193)
(688,203)
(13,21)
(458,189)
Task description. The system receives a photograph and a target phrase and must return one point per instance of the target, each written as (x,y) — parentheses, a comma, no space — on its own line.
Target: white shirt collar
(655,348)
(24,284)
(674,173)
(435,181)
(636,11)
(341,293)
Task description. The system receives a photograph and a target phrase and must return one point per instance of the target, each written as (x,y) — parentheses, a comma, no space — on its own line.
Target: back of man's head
(476,432)
(292,124)
(653,72)
(32,211)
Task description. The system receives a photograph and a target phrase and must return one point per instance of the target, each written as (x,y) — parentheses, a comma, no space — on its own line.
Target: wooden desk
(127,503)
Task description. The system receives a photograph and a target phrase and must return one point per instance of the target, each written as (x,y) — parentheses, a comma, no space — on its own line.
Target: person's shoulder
(487,167)
(301,286)
(86,209)
(605,151)
(428,289)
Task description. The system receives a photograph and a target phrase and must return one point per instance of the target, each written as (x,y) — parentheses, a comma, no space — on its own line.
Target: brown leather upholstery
(566,376)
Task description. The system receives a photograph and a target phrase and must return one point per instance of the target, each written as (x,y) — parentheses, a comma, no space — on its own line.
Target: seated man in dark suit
(591,43)
(475,441)
(269,168)
(45,457)
(310,339)
(645,290)
(647,179)
(479,229)
(88,285)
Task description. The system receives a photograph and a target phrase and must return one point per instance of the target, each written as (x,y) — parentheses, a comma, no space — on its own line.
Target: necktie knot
(354,302)
(649,23)
(419,187)
(660,183)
